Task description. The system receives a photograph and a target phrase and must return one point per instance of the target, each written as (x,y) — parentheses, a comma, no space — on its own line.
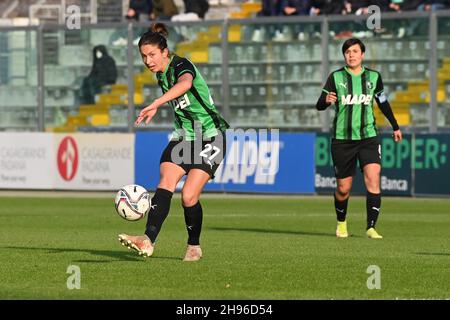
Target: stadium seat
(235,33)
(247,10)
(401,111)
(100,119)
(200,53)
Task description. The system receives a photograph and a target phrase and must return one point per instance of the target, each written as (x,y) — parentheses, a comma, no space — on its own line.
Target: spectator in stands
(103,72)
(326,7)
(361,6)
(199,7)
(433,5)
(269,8)
(358,27)
(164,9)
(403,5)
(382,4)
(420,26)
(194,10)
(357,7)
(298,8)
(406,27)
(295,7)
(140,10)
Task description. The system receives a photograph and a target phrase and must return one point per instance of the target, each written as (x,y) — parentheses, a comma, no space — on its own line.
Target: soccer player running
(352,90)
(197,146)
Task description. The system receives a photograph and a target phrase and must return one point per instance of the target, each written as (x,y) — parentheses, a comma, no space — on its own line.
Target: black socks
(160,206)
(159,210)
(341,208)
(373,204)
(193,216)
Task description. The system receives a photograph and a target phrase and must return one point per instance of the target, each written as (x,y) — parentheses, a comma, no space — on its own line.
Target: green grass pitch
(254,248)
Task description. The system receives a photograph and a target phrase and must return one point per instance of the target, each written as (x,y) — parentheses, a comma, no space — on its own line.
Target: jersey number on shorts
(208,148)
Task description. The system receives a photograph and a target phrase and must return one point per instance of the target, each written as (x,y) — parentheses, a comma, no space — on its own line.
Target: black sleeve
(183,66)
(379,87)
(330,86)
(383,104)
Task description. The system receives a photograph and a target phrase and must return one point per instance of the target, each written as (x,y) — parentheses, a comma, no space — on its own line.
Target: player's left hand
(397,135)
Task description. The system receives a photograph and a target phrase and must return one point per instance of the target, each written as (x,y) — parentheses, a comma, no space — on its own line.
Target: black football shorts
(346,152)
(206,154)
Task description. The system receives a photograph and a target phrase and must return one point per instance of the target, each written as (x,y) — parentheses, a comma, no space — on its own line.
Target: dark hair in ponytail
(156,36)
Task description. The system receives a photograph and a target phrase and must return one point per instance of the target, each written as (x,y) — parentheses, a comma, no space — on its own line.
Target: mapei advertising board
(256,161)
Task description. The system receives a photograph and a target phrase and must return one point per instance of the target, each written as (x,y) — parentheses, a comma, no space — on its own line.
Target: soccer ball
(132,202)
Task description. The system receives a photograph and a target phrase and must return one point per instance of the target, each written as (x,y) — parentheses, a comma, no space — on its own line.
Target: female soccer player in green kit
(197,146)
(352,90)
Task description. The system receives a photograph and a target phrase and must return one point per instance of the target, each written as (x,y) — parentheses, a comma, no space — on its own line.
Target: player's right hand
(331,98)
(148,112)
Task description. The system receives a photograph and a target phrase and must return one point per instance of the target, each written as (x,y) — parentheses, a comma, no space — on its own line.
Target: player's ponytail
(156,36)
(160,28)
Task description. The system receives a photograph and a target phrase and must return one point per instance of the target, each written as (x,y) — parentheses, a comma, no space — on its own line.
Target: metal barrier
(269,82)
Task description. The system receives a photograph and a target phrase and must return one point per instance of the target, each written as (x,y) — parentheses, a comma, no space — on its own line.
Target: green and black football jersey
(354,118)
(195,112)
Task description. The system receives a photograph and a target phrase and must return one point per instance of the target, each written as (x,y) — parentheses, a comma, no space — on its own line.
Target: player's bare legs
(343,188)
(170,175)
(193,187)
(193,213)
(372,172)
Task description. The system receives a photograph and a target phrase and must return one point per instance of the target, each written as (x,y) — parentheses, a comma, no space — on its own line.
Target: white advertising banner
(26,160)
(93,161)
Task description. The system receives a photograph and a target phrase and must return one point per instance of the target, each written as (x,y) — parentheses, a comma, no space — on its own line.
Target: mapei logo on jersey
(356,99)
(251,158)
(181,102)
(67,158)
